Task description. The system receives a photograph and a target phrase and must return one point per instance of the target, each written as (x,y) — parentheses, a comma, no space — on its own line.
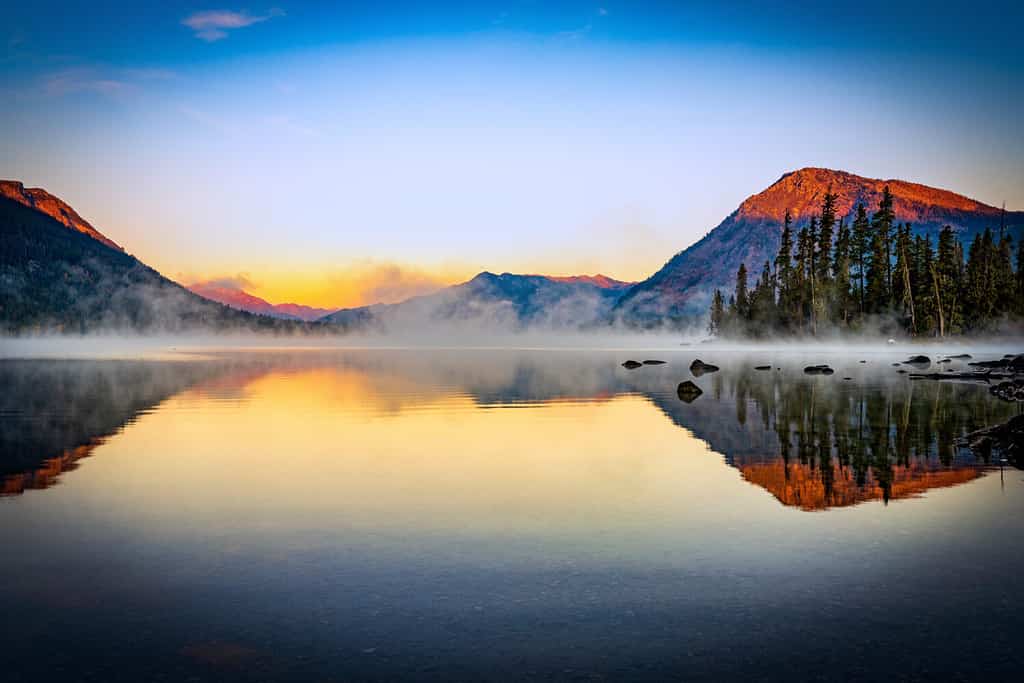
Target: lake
(473,514)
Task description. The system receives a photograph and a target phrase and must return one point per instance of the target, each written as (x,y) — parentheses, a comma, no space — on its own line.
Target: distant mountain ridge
(41,200)
(682,288)
(243,301)
(506,302)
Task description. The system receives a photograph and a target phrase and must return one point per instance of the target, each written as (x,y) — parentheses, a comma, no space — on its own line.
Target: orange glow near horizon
(371,282)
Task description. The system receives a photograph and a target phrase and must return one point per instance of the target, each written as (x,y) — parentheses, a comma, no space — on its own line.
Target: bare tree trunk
(938,304)
(909,293)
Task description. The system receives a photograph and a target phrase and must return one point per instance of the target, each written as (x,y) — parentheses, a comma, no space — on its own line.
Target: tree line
(872,272)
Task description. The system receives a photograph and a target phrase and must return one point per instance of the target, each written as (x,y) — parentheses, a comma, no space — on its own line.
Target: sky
(336,154)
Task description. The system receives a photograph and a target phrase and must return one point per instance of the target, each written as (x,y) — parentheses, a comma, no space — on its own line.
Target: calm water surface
(467,515)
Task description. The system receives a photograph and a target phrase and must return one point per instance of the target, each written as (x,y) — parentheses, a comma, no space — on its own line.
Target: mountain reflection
(812,442)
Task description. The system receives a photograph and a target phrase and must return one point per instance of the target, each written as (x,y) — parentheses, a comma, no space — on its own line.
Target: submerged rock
(818,370)
(1009,391)
(688,391)
(654,362)
(699,367)
(632,364)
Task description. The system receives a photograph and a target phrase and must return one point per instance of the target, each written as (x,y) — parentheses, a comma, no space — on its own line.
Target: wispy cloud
(98,80)
(213,25)
(368,282)
(82,80)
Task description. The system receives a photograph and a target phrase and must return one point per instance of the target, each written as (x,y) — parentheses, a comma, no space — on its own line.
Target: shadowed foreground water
(454,515)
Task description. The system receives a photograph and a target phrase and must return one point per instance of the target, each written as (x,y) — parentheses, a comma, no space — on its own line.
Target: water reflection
(812,442)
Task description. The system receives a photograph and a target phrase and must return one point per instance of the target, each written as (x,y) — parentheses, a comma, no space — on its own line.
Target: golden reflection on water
(339,444)
(475,442)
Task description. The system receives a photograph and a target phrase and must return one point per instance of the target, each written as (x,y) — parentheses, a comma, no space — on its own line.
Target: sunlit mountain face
(750,235)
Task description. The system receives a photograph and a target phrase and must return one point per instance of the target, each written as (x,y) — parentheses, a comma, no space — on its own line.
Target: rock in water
(918,361)
(1009,391)
(762,367)
(962,356)
(688,391)
(632,364)
(818,370)
(699,367)
(654,362)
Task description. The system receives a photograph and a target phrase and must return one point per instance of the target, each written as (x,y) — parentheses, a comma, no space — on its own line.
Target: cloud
(80,80)
(213,25)
(369,282)
(99,80)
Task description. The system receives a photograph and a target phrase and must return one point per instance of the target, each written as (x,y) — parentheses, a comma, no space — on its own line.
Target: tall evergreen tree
(876,295)
(1003,275)
(826,226)
(784,273)
(860,251)
(717,313)
(980,283)
(844,304)
(948,273)
(1018,308)
(882,222)
(742,302)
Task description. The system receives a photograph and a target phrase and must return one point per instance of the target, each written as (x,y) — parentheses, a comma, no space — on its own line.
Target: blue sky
(341,153)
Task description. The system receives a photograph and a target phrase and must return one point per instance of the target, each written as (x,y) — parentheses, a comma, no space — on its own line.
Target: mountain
(41,200)
(61,277)
(489,302)
(243,301)
(683,287)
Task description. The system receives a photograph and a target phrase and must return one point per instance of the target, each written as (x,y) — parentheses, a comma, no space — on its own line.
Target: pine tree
(801,278)
(717,313)
(843,301)
(1003,275)
(949,263)
(742,303)
(882,222)
(876,296)
(980,283)
(825,227)
(1019,298)
(902,290)
(784,273)
(860,251)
